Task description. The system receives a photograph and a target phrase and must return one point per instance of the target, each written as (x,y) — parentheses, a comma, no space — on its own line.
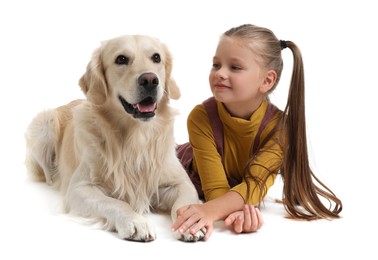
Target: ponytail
(299,188)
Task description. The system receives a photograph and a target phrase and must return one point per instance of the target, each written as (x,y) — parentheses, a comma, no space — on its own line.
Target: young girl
(259,141)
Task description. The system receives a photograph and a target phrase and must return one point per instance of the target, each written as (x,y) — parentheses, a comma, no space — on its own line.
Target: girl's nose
(221,74)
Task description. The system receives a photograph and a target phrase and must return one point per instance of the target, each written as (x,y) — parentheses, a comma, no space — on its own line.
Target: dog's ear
(93,82)
(173,89)
(171,86)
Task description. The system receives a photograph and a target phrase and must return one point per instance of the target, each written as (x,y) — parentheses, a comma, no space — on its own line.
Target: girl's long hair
(302,190)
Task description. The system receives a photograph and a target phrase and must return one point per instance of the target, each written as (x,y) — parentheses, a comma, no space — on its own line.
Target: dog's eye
(122,59)
(156,58)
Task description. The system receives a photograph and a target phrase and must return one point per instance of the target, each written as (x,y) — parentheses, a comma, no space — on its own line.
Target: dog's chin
(144,110)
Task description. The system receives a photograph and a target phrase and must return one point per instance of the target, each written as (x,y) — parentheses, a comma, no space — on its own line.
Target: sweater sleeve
(207,161)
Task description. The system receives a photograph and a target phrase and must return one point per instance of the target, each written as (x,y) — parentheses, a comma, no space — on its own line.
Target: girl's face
(236,79)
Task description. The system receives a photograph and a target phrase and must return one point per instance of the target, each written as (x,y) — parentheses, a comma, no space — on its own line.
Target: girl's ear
(269,81)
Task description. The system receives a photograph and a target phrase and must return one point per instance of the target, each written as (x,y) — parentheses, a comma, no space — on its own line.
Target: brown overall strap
(271,110)
(215,123)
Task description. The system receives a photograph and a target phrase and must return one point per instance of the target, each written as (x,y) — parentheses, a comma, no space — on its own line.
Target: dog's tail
(42,137)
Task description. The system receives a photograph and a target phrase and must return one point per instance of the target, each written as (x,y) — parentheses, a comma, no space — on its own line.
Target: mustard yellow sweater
(239,136)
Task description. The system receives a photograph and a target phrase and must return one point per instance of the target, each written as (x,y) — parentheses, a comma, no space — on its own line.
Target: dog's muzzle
(145,109)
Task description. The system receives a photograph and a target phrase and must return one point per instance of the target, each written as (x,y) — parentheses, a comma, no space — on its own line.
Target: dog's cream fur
(112,165)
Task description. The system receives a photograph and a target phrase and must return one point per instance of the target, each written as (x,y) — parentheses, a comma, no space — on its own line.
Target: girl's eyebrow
(234,59)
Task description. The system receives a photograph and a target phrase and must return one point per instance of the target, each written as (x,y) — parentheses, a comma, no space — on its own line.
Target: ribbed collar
(239,125)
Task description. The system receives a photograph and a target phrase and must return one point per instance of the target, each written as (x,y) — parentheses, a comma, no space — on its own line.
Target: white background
(46,45)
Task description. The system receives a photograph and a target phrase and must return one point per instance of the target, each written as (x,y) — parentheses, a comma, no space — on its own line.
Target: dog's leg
(186,195)
(89,200)
(178,194)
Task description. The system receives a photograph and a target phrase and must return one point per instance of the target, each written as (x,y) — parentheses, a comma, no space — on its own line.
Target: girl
(259,141)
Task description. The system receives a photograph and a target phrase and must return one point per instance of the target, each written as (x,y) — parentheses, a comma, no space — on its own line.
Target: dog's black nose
(148,80)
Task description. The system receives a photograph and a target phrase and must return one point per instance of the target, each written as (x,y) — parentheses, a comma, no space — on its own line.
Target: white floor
(46,45)
(33,226)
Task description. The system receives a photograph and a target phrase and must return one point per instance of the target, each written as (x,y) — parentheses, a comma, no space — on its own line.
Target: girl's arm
(229,207)
(197,216)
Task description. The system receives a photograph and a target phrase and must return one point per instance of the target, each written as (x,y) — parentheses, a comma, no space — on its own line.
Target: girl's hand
(245,221)
(193,217)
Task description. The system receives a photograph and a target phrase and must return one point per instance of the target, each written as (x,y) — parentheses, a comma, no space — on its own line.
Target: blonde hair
(300,193)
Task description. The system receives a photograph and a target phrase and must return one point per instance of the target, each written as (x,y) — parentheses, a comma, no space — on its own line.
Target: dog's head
(133,71)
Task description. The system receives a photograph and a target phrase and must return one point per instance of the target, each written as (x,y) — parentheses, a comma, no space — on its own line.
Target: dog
(113,154)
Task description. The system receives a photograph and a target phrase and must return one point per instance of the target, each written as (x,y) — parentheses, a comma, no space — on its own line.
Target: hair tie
(283,44)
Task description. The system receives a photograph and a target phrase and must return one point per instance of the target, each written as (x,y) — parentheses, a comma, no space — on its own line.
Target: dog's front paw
(188,237)
(135,229)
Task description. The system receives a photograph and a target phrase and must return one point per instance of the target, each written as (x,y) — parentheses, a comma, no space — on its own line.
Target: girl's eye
(235,68)
(122,60)
(216,66)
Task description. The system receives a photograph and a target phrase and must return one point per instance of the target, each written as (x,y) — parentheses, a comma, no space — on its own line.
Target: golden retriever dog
(113,154)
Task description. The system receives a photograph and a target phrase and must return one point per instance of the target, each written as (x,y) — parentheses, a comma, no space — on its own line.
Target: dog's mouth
(145,109)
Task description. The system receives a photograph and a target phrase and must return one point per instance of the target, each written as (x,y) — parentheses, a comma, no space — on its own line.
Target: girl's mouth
(220,86)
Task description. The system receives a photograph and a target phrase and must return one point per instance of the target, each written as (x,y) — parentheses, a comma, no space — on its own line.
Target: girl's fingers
(199,225)
(230,219)
(254,220)
(185,219)
(178,223)
(208,231)
(238,224)
(247,218)
(192,220)
(260,218)
(180,213)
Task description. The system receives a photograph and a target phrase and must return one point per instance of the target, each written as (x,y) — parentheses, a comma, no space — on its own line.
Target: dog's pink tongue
(145,108)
